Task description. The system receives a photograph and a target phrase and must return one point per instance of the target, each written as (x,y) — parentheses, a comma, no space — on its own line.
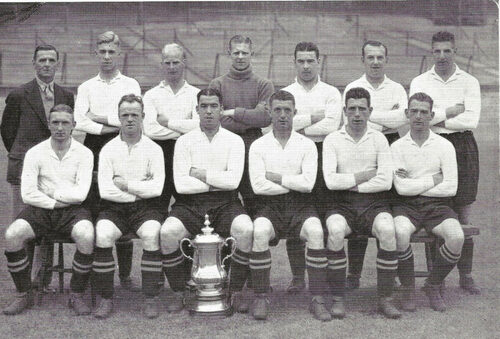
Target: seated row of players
(208,166)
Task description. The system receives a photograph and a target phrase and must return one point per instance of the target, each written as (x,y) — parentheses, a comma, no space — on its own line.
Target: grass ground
(467,316)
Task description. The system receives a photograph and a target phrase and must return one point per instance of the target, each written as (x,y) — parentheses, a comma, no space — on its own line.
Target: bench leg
(60,264)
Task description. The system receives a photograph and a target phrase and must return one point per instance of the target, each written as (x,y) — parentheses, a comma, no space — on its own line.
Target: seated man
(208,165)
(426,179)
(283,166)
(357,165)
(55,181)
(130,177)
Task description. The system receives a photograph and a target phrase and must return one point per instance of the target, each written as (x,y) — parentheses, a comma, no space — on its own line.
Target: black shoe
(128,284)
(467,283)
(260,307)
(76,303)
(434,295)
(387,308)
(151,308)
(408,299)
(23,301)
(338,309)
(352,282)
(175,302)
(297,285)
(318,309)
(105,309)
(240,302)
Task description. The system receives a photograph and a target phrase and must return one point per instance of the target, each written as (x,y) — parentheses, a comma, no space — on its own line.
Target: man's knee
(336,225)
(149,232)
(263,231)
(17,233)
(106,233)
(83,234)
(404,229)
(172,230)
(313,230)
(453,234)
(242,227)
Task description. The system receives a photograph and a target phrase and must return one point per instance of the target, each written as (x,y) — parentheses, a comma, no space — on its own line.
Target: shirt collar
(457,72)
(382,84)
(51,151)
(293,135)
(42,84)
(430,139)
(346,135)
(204,136)
(164,84)
(117,77)
(140,142)
(312,89)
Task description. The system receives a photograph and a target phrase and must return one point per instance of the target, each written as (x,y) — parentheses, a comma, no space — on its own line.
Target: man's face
(420,115)
(131,116)
(282,112)
(444,55)
(46,65)
(357,113)
(241,55)
(60,125)
(306,65)
(374,61)
(209,109)
(108,55)
(173,64)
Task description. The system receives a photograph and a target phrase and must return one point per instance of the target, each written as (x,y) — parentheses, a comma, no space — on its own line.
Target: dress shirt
(140,164)
(101,98)
(462,88)
(382,99)
(342,157)
(223,159)
(179,108)
(322,98)
(436,155)
(43,172)
(297,163)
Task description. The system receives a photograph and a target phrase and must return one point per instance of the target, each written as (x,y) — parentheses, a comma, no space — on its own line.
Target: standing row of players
(169,108)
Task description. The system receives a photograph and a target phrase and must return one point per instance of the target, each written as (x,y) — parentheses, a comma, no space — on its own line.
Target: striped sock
(151,270)
(19,268)
(442,265)
(82,265)
(337,266)
(387,264)
(104,269)
(239,270)
(406,268)
(316,263)
(175,270)
(260,268)
(465,263)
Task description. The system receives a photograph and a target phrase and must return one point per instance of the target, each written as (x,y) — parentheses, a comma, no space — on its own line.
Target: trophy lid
(208,236)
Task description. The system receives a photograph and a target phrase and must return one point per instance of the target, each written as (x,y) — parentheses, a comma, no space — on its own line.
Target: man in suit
(24,121)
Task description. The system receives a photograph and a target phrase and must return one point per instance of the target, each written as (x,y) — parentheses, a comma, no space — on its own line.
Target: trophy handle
(190,245)
(233,249)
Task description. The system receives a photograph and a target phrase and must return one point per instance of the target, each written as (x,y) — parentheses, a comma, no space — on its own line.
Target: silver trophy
(207,274)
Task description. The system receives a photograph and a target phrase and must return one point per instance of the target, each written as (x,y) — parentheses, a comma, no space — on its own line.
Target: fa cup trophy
(208,274)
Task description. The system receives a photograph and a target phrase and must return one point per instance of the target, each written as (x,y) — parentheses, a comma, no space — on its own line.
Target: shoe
(352,282)
(467,283)
(434,295)
(338,309)
(408,299)
(23,301)
(151,308)
(297,285)
(127,284)
(76,302)
(175,303)
(318,309)
(105,309)
(239,302)
(260,306)
(387,308)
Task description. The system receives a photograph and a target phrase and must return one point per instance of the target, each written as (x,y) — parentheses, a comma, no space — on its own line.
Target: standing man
(96,113)
(131,175)
(426,179)
(208,165)
(55,181)
(245,96)
(170,111)
(389,101)
(357,164)
(25,122)
(319,112)
(457,106)
(283,166)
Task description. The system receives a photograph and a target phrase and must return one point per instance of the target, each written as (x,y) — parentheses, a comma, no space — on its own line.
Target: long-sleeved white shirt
(436,155)
(322,98)
(460,88)
(101,98)
(383,98)
(179,108)
(141,164)
(69,178)
(297,163)
(343,157)
(223,159)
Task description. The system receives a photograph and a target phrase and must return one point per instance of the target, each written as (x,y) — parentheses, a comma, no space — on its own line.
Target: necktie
(47,92)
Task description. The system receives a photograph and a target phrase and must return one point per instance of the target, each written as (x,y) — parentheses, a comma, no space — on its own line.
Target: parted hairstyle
(283,96)
(45,48)
(421,96)
(107,38)
(131,98)
(61,108)
(443,36)
(373,43)
(208,92)
(357,93)
(240,39)
(305,46)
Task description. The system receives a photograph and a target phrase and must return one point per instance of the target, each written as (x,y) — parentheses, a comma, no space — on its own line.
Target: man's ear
(407,114)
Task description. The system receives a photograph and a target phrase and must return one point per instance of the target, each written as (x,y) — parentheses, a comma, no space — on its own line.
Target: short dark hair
(305,46)
(443,36)
(357,93)
(421,96)
(45,48)
(240,39)
(131,98)
(61,108)
(209,92)
(283,96)
(373,43)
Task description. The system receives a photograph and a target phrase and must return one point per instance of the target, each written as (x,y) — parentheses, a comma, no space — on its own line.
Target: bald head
(173,59)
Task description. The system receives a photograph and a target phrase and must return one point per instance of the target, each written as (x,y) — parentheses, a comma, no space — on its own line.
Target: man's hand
(364,176)
(46,189)
(274,177)
(163,120)
(228,112)
(402,173)
(121,183)
(316,117)
(453,111)
(438,178)
(198,173)
(97,118)
(60,204)
(109,129)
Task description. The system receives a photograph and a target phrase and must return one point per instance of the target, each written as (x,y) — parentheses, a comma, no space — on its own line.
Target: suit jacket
(24,123)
